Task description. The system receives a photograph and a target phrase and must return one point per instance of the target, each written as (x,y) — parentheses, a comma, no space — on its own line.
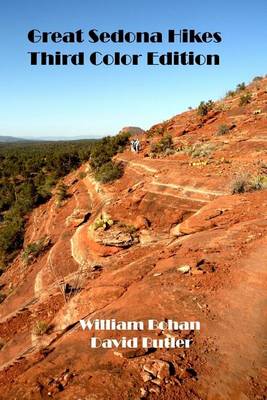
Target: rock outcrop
(133,130)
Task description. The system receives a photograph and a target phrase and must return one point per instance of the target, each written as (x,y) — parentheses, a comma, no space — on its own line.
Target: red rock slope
(168,212)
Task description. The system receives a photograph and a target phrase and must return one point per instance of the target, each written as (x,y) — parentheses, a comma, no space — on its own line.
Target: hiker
(137,145)
(133,145)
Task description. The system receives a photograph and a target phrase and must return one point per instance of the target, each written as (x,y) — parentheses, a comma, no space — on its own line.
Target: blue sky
(96,101)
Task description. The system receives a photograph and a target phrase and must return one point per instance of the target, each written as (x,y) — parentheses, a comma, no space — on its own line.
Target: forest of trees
(28,172)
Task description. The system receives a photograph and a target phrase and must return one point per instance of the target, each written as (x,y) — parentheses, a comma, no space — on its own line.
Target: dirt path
(185,188)
(137,165)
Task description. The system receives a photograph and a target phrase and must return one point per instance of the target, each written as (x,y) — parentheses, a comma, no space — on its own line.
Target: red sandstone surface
(184,215)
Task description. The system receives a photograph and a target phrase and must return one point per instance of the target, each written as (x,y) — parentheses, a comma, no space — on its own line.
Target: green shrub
(199,150)
(43,193)
(40,328)
(82,175)
(223,129)
(205,107)
(230,93)
(62,192)
(258,182)
(244,183)
(155,131)
(11,235)
(101,154)
(150,133)
(222,107)
(163,146)
(104,221)
(105,170)
(169,152)
(240,184)
(166,142)
(109,172)
(240,87)
(106,148)
(245,99)
(257,78)
(131,229)
(159,131)
(33,250)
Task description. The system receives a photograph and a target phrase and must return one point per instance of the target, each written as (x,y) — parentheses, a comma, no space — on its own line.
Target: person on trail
(133,145)
(137,145)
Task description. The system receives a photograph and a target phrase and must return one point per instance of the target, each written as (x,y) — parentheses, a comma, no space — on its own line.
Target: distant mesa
(133,130)
(11,139)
